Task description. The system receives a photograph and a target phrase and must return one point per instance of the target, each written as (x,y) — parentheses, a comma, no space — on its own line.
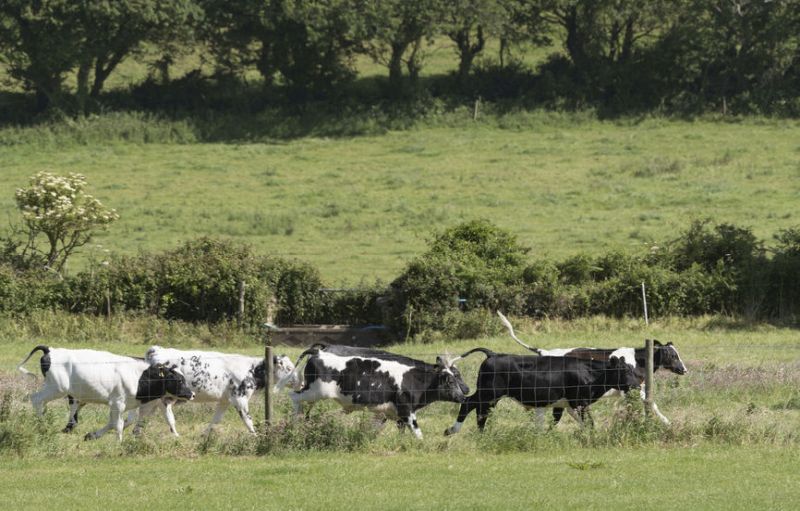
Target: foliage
(472,265)
(58,208)
(43,41)
(401,27)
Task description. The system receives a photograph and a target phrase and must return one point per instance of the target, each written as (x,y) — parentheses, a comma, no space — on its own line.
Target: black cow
(386,383)
(665,356)
(543,381)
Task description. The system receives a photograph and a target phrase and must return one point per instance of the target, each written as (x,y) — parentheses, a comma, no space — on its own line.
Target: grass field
(732,444)
(361,207)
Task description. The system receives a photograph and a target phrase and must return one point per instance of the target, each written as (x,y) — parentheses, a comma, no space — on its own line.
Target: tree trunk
(414,66)
(83,85)
(396,66)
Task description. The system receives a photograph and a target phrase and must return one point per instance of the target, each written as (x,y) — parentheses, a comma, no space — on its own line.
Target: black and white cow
(89,376)
(386,383)
(222,378)
(665,356)
(538,382)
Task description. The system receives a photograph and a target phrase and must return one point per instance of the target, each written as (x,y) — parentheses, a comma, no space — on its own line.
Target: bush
(472,265)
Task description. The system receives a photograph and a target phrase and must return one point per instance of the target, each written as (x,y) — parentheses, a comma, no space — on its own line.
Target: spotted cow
(222,378)
(392,386)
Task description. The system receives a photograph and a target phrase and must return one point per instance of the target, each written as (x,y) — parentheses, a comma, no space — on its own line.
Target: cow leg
(661,417)
(412,423)
(581,414)
(242,407)
(483,414)
(131,418)
(74,407)
(222,407)
(466,407)
(44,396)
(557,414)
(169,416)
(114,421)
(145,411)
(572,413)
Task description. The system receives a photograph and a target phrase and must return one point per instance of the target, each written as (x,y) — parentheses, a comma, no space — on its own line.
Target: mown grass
(702,478)
(361,207)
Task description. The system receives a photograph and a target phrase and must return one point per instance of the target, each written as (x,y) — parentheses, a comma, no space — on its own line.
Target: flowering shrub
(58,208)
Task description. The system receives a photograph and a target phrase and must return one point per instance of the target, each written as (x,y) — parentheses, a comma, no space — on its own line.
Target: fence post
(269,371)
(240,312)
(648,378)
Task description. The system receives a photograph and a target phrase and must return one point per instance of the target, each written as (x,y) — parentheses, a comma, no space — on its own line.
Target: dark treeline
(452,289)
(618,56)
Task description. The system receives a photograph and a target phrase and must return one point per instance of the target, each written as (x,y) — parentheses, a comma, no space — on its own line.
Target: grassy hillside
(360,207)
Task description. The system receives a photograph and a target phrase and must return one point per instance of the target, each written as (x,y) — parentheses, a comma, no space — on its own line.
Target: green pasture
(692,478)
(360,207)
(733,442)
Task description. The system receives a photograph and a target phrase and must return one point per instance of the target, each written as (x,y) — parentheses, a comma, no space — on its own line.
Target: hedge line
(467,271)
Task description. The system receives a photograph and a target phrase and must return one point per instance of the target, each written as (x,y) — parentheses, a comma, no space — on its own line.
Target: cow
(90,376)
(665,356)
(221,378)
(388,384)
(540,381)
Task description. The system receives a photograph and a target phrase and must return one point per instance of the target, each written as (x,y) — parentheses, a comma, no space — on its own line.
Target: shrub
(472,265)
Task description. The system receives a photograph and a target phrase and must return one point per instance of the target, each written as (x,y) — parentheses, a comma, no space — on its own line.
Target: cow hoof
(89,436)
(448,432)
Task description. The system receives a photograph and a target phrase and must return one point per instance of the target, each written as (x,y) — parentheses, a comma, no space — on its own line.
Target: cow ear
(656,343)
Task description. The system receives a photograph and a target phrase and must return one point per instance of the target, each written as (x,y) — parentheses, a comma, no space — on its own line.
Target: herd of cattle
(391,385)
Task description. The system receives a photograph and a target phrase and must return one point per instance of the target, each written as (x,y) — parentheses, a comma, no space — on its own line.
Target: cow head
(284,371)
(622,374)
(160,380)
(450,385)
(666,356)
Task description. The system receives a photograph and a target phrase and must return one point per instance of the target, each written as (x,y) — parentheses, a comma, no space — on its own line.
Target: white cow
(222,378)
(89,376)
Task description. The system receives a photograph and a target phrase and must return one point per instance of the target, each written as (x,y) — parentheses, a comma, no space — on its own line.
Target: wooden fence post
(240,312)
(648,378)
(269,370)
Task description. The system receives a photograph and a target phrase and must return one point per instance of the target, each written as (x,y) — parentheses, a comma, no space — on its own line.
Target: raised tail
(486,351)
(44,349)
(295,375)
(507,323)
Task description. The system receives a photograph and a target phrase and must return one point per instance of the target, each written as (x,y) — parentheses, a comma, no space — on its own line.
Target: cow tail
(295,375)
(489,353)
(507,323)
(44,349)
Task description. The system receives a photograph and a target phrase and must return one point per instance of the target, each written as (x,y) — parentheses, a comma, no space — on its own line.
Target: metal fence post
(648,378)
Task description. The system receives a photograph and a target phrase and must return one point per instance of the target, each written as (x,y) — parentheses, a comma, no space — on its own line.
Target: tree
(42,41)
(312,43)
(724,49)
(401,26)
(468,23)
(59,209)
(39,44)
(114,30)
